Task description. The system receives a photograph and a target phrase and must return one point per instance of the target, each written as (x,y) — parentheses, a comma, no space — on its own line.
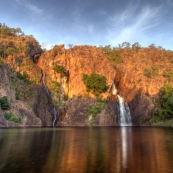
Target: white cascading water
(54,109)
(43,79)
(125,117)
(124,111)
(54,115)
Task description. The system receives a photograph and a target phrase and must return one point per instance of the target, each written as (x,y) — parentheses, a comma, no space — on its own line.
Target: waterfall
(54,115)
(125,117)
(53,109)
(113,89)
(43,79)
(124,111)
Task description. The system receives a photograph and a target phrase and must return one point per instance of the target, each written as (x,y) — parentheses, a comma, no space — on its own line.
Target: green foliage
(147,72)
(94,110)
(11,51)
(10,117)
(166,110)
(24,77)
(59,69)
(155,102)
(140,121)
(56,86)
(95,83)
(17,96)
(115,57)
(151,72)
(169,75)
(155,70)
(112,54)
(7,31)
(168,123)
(4,103)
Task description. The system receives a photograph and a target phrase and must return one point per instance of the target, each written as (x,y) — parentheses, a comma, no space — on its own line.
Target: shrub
(10,117)
(24,77)
(94,110)
(115,57)
(155,70)
(56,86)
(4,103)
(169,75)
(151,72)
(166,110)
(112,54)
(147,73)
(11,51)
(95,83)
(59,69)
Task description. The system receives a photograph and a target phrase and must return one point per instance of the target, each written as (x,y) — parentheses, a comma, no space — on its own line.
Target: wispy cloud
(79,23)
(101,12)
(132,24)
(32,8)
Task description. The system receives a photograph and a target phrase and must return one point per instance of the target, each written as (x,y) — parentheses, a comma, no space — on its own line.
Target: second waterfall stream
(53,108)
(124,111)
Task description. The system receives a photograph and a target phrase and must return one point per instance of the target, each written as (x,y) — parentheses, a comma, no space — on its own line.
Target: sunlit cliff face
(77,61)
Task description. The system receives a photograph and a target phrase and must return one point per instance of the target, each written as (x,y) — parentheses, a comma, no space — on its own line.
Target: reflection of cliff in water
(86,150)
(26,149)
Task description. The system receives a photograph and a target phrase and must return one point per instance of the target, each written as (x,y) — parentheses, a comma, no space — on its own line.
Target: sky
(92,22)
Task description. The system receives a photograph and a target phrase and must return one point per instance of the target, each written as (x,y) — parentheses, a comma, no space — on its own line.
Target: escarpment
(45,88)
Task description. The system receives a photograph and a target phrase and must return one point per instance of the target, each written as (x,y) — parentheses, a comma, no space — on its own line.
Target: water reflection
(86,150)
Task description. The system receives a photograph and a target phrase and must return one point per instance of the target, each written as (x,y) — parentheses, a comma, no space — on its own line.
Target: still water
(86,150)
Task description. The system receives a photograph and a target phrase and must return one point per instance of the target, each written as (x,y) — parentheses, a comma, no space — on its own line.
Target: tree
(95,83)
(136,46)
(70,46)
(59,69)
(125,45)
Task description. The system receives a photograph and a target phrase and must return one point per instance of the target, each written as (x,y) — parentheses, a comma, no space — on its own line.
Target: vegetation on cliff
(59,69)
(14,42)
(10,117)
(94,110)
(4,103)
(166,110)
(95,83)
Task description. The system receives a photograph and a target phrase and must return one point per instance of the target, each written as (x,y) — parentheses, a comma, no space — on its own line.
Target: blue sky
(92,22)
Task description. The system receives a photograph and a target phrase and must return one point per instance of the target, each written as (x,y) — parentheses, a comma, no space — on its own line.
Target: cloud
(101,12)
(79,23)
(133,24)
(32,8)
